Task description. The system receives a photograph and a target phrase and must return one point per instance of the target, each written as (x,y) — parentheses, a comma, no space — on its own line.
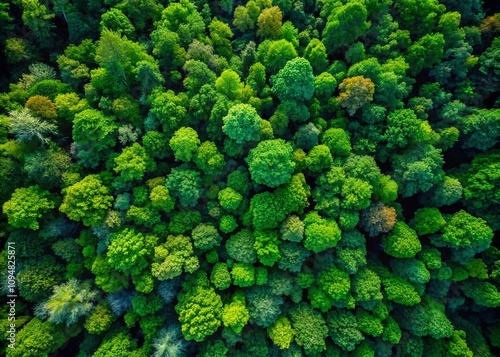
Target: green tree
(87,200)
(425,52)
(26,127)
(128,250)
(402,242)
(91,127)
(133,163)
(171,257)
(205,237)
(185,185)
(229,84)
(184,144)
(281,333)
(310,329)
(235,314)
(68,303)
(345,25)
(466,235)
(295,81)
(270,163)
(26,206)
(199,308)
(242,123)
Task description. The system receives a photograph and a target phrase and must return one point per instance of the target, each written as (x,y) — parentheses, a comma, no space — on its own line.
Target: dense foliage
(251,178)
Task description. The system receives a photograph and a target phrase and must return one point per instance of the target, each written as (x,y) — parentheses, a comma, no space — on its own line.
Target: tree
(42,106)
(343,329)
(220,276)
(229,198)
(345,25)
(169,342)
(402,242)
(128,250)
(295,81)
(419,18)
(480,182)
(116,21)
(68,303)
(38,337)
(310,329)
(91,127)
(87,200)
(481,129)
(47,168)
(355,92)
(235,315)
(270,163)
(37,19)
(161,199)
(242,20)
(428,221)
(378,218)
(205,237)
(133,163)
(281,333)
(184,144)
(240,247)
(335,283)
(171,257)
(320,233)
(466,235)
(242,123)
(199,308)
(418,169)
(315,53)
(185,185)
(229,84)
(425,53)
(269,22)
(26,206)
(275,54)
(267,247)
(26,127)
(263,306)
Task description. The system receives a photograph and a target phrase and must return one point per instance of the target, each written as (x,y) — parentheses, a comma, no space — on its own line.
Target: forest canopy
(250,178)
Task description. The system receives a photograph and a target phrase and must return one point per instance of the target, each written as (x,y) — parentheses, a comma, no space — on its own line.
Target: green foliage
(26,206)
(205,237)
(466,235)
(320,233)
(133,163)
(259,178)
(267,247)
(345,25)
(87,200)
(428,221)
(184,184)
(184,144)
(270,162)
(199,308)
(310,329)
(242,123)
(171,257)
(402,242)
(295,81)
(281,333)
(235,315)
(128,250)
(68,303)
